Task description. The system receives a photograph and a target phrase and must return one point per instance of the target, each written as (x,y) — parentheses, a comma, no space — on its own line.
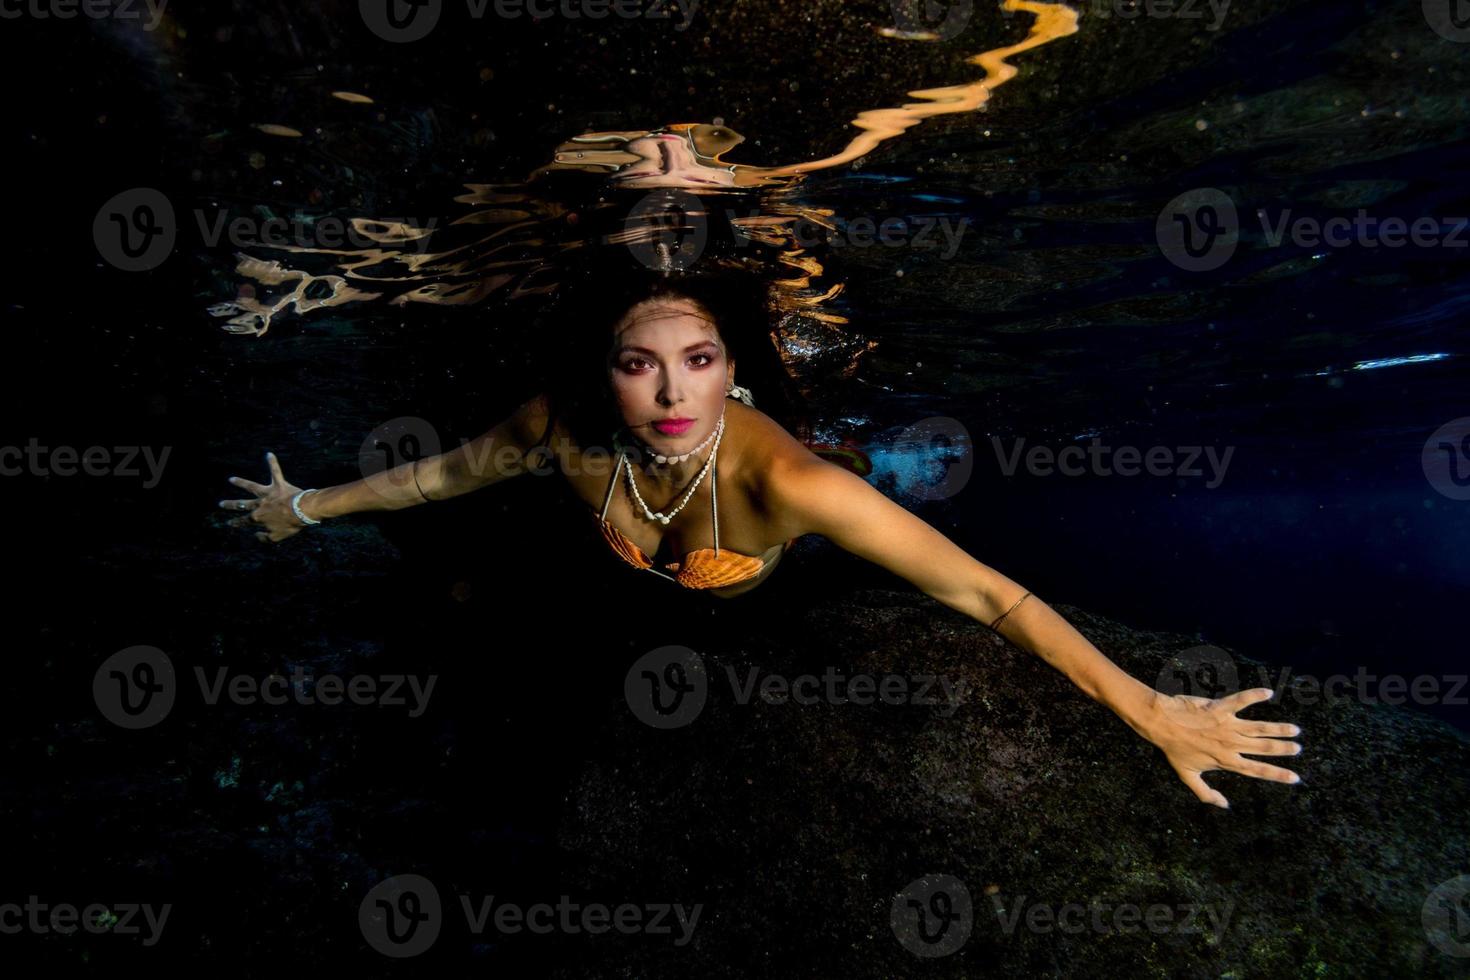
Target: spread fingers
(1267,746)
(1262,770)
(1266,729)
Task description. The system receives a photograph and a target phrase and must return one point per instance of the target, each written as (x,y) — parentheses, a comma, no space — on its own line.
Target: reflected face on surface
(668,363)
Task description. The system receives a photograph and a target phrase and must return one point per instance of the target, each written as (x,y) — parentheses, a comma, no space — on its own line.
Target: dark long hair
(576,334)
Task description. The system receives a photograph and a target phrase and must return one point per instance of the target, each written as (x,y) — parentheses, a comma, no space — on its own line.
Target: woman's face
(669,374)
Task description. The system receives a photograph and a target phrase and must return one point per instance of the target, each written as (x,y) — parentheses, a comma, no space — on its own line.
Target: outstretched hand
(1199,735)
(270,508)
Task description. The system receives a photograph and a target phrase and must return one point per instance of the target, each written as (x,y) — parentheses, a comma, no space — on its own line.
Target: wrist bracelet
(296,507)
(1008,611)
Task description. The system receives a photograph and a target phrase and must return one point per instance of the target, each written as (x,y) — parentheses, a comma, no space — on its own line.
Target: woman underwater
(713,490)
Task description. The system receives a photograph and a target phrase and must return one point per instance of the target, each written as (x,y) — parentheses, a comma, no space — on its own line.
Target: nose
(671,392)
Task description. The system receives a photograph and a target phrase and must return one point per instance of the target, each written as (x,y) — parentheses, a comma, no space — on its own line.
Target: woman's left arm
(808,495)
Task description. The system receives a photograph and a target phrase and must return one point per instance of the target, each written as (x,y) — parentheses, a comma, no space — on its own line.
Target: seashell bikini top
(703,568)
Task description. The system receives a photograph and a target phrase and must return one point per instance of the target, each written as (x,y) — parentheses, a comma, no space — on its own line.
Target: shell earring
(743,394)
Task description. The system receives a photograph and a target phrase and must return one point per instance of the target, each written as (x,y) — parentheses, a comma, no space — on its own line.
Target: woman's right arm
(494,456)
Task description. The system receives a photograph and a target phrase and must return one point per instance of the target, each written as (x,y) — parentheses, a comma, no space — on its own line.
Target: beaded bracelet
(296,507)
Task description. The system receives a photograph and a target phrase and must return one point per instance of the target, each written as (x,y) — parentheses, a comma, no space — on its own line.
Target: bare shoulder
(798,492)
(765,453)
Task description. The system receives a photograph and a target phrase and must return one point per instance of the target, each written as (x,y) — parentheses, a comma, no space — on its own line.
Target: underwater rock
(805,829)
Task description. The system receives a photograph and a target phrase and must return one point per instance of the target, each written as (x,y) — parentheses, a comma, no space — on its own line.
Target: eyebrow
(644,350)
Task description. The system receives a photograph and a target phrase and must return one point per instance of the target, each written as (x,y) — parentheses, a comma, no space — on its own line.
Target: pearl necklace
(663,518)
(659,458)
